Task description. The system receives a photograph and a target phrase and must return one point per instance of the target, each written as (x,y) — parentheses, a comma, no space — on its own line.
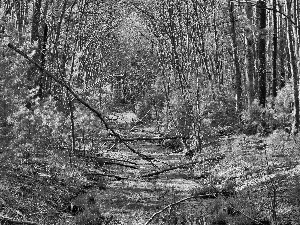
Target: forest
(149,112)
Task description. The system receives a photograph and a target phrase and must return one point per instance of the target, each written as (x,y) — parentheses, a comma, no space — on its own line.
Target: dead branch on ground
(176,203)
(145,139)
(182,166)
(8,220)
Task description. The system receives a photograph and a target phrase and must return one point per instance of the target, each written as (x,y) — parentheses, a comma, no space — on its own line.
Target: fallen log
(182,166)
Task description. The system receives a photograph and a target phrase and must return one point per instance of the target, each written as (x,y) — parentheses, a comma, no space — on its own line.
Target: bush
(92,216)
(258,119)
(41,127)
(278,113)
(152,103)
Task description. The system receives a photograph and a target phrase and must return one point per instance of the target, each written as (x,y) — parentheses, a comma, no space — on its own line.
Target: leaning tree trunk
(238,82)
(261,16)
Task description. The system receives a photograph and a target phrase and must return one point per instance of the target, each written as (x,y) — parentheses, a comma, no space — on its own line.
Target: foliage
(278,114)
(284,106)
(92,216)
(40,127)
(150,106)
(221,112)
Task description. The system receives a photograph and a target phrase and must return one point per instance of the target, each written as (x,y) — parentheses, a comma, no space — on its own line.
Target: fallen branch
(145,138)
(107,175)
(182,166)
(172,204)
(80,100)
(109,161)
(8,220)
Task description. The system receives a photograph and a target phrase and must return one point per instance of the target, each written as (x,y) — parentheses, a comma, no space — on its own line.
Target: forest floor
(40,189)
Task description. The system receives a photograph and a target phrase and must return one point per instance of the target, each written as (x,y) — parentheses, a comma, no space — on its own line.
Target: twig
(76,96)
(172,204)
(218,158)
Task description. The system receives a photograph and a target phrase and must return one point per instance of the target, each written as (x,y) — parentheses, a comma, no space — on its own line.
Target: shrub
(258,119)
(277,114)
(92,216)
(42,128)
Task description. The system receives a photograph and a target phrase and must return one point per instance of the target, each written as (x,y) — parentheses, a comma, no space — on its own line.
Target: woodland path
(129,197)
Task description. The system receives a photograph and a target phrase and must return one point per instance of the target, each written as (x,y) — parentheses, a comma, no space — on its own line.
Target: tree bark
(274,81)
(261,16)
(250,64)
(282,53)
(293,60)
(238,82)
(36,20)
(19,13)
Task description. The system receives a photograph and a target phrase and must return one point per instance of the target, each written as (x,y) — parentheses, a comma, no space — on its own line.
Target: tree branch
(175,203)
(146,138)
(76,96)
(218,158)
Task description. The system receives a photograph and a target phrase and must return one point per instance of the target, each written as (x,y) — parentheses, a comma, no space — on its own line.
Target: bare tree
(261,21)
(238,82)
(250,64)
(294,69)
(274,81)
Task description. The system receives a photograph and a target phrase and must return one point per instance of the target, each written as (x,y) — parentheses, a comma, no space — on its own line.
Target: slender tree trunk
(274,81)
(261,16)
(282,53)
(73,148)
(297,18)
(250,64)
(238,82)
(33,73)
(19,13)
(293,60)
(36,20)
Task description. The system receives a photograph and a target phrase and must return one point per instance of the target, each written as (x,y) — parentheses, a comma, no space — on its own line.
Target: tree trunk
(238,82)
(36,20)
(261,16)
(274,81)
(250,64)
(293,60)
(282,53)
(19,13)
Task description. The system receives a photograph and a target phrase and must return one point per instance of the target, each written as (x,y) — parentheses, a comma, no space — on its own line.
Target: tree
(294,68)
(282,44)
(261,48)
(274,81)
(250,64)
(238,82)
